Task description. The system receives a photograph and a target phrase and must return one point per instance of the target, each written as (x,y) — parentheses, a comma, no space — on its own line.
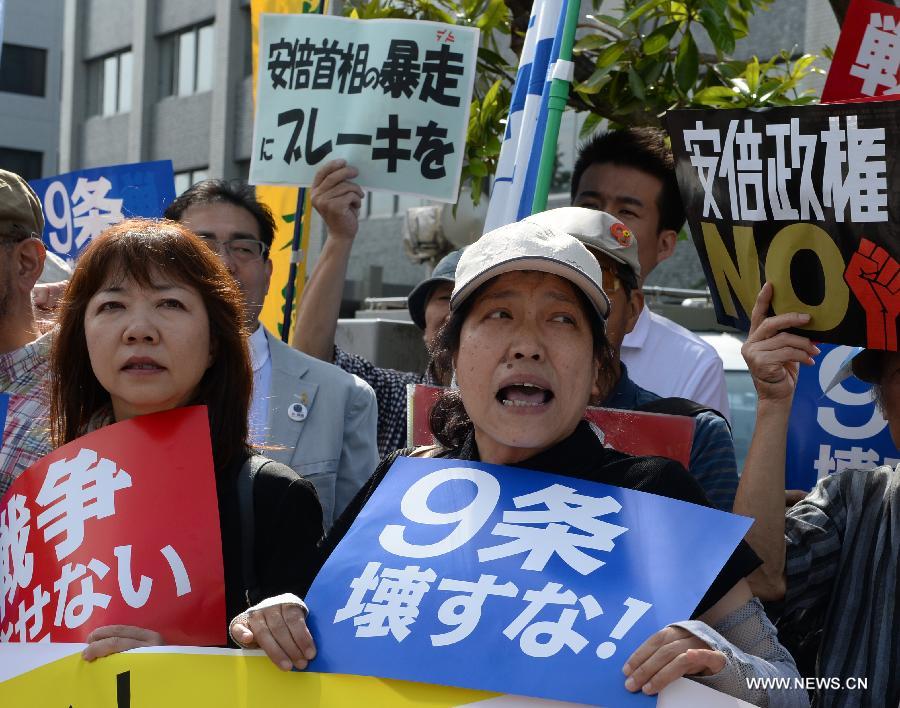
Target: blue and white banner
(834,429)
(79,205)
(520,154)
(511,580)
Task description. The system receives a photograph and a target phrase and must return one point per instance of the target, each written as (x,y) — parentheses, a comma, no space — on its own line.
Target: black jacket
(288,525)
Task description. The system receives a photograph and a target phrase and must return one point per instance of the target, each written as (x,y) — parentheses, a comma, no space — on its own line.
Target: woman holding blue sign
(151,321)
(526,340)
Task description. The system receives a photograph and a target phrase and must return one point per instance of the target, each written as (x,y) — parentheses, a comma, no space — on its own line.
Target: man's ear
(30,255)
(665,244)
(635,305)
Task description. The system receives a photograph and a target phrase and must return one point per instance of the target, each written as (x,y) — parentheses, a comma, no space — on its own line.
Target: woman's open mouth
(524,395)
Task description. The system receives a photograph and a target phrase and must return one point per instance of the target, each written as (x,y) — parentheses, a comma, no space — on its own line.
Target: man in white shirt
(305,413)
(631,174)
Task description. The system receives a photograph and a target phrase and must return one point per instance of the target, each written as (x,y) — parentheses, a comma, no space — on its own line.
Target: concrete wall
(172,15)
(107,27)
(105,140)
(31,122)
(179,130)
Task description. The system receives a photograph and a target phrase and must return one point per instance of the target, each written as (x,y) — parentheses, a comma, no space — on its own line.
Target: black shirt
(287,526)
(583,456)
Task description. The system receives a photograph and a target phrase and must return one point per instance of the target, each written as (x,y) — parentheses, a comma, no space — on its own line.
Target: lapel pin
(297,412)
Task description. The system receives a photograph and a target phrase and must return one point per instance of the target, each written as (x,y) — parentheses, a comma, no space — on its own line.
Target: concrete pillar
(144,79)
(228,72)
(73,103)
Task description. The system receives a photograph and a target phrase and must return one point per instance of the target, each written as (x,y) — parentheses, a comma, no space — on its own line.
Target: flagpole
(559,96)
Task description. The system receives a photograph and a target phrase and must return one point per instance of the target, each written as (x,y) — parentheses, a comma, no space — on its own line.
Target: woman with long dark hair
(151,320)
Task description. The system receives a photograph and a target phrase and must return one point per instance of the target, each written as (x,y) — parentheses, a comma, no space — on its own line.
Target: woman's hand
(280,631)
(114,638)
(669,654)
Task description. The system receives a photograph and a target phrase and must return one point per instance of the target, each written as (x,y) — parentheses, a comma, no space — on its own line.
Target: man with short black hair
(309,415)
(630,174)
(24,353)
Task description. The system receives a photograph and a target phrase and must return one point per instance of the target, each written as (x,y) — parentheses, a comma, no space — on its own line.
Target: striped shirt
(843,550)
(26,437)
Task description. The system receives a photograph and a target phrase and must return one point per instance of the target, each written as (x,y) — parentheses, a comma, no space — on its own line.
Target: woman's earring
(453,383)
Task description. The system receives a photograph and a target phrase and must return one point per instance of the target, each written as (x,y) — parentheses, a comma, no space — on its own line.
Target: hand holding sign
(279,629)
(874,277)
(772,355)
(668,655)
(337,199)
(116,638)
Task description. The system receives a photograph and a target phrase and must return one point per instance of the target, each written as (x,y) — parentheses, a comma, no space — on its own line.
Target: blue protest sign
(4,406)
(511,580)
(79,205)
(833,430)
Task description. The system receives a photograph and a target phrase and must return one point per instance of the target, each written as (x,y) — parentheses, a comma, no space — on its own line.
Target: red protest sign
(866,63)
(634,432)
(120,526)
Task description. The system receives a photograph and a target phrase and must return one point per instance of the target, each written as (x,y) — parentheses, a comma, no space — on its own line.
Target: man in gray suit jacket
(308,414)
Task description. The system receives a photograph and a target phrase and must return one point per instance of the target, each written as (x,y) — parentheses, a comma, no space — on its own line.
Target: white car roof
(728,347)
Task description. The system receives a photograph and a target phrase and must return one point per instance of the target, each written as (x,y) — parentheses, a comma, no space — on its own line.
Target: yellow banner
(55,676)
(281,200)
(224,679)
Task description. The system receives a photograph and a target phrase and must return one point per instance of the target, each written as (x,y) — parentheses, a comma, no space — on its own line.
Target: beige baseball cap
(595,229)
(19,206)
(525,245)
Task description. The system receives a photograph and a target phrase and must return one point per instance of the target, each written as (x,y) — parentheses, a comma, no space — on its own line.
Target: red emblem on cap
(621,233)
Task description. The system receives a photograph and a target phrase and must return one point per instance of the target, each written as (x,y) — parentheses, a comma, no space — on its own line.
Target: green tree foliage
(632,68)
(629,69)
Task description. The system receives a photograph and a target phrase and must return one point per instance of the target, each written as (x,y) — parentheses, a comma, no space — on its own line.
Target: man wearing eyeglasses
(24,353)
(312,416)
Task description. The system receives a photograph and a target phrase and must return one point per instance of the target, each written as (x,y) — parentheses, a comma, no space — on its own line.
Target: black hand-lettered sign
(805,197)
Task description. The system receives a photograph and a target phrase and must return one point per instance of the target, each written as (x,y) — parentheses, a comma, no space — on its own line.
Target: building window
(26,163)
(185,179)
(186,61)
(23,70)
(109,84)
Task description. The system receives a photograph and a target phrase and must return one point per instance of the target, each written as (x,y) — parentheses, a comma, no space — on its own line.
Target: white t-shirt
(669,360)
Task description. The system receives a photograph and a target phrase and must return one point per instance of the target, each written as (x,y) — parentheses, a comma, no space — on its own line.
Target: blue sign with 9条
(80,205)
(511,580)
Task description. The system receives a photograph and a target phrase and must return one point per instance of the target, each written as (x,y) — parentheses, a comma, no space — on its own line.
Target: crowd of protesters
(545,315)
